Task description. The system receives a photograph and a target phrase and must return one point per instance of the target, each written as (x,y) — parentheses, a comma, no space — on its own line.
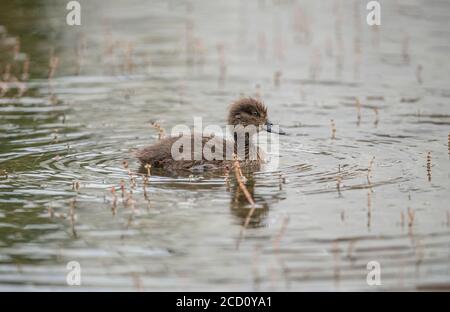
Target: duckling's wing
(157,153)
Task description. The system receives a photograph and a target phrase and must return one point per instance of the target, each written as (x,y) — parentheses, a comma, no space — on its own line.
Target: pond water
(363,174)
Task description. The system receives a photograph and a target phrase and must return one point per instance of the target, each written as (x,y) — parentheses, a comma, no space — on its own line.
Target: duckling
(242,113)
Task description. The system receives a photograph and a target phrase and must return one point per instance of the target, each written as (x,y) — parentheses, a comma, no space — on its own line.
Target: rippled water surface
(377,191)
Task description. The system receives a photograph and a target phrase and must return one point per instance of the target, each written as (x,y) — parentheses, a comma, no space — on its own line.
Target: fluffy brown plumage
(246,111)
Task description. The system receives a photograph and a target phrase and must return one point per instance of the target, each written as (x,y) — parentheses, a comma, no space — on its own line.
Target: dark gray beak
(270,127)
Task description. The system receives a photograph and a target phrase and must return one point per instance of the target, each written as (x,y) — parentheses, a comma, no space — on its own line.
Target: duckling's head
(249,111)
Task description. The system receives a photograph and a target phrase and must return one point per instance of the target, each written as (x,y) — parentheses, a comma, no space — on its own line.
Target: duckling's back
(160,155)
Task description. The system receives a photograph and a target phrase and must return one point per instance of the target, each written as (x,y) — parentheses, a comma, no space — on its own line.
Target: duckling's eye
(255,113)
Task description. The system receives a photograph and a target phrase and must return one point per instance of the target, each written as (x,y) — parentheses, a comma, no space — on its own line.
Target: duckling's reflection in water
(241,208)
(239,205)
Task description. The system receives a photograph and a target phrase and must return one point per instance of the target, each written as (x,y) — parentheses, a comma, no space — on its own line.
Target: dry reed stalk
(129,201)
(338,185)
(132,178)
(369,209)
(199,52)
(7,73)
(369,169)
(53,99)
(122,188)
(405,49)
(351,247)
(377,120)
(161,131)
(402,219)
(369,172)
(419,74)
(448,143)
(22,88)
(358,112)
(52,66)
(55,139)
(72,216)
(281,181)
(16,49)
(26,70)
(333,129)
(75,185)
(144,186)
(80,51)
(226,172)
(51,212)
(4,173)
(128,64)
(238,174)
(148,167)
(3,88)
(114,201)
(411,216)
(276,78)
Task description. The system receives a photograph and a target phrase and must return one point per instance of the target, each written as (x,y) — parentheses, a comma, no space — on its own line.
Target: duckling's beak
(270,127)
